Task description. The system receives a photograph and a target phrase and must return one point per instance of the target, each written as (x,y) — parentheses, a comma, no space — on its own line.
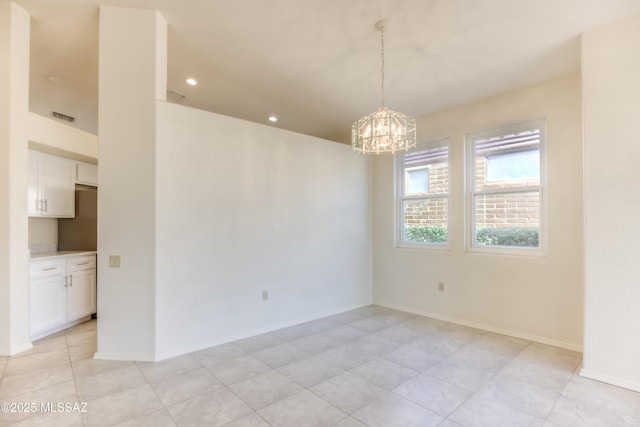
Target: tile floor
(368,367)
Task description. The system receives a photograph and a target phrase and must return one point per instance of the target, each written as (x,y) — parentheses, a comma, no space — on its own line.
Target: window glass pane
(514,166)
(417,181)
(509,219)
(425,221)
(432,165)
(507,161)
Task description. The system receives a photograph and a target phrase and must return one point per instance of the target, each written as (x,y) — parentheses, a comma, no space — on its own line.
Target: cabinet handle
(46,205)
(84,263)
(49,268)
(71,280)
(66,280)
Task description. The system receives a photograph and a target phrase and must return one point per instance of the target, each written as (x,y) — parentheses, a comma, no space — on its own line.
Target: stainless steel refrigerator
(81,233)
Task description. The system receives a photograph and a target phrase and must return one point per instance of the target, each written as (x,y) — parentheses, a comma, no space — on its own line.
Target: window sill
(501,251)
(425,247)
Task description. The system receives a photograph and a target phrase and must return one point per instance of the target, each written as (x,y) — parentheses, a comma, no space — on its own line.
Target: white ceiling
(316,63)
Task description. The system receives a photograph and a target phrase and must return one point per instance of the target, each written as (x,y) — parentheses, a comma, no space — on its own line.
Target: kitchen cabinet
(81,287)
(51,186)
(62,290)
(86,174)
(47,295)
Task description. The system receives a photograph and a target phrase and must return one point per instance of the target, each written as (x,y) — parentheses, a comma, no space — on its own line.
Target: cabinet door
(33,195)
(87,174)
(81,294)
(56,180)
(47,303)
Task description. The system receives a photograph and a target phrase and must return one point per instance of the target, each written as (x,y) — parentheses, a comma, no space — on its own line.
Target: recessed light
(273,119)
(191,81)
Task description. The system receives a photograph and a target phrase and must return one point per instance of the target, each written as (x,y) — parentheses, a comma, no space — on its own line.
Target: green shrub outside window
(507,236)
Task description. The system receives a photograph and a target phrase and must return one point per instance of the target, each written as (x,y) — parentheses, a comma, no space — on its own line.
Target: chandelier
(383,131)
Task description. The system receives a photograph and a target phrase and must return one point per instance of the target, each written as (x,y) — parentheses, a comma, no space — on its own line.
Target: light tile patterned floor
(368,367)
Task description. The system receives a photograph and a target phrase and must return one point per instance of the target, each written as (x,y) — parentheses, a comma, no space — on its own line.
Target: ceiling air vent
(63,117)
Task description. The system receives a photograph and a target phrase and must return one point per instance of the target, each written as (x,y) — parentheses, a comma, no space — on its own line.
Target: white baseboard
(511,333)
(15,350)
(236,337)
(620,382)
(67,325)
(129,357)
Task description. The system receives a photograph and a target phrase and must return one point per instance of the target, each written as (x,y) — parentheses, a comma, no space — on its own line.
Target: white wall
(243,207)
(611,91)
(53,137)
(207,211)
(43,232)
(132,68)
(14,102)
(539,298)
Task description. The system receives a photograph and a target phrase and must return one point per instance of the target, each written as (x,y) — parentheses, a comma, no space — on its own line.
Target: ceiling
(315,64)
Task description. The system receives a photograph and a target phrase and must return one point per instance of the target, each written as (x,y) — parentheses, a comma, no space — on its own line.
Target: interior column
(611,102)
(14,109)
(133,74)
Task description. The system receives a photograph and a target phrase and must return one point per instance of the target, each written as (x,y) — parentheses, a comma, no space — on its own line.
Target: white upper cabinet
(33,195)
(86,174)
(51,186)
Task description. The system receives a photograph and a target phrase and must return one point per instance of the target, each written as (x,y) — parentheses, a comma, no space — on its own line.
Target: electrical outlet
(114,261)
(265,295)
(441,286)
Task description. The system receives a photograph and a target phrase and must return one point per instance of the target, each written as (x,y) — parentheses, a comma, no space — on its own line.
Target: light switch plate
(114,261)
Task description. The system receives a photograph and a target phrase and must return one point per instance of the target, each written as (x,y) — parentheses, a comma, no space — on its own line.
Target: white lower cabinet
(81,288)
(47,295)
(61,290)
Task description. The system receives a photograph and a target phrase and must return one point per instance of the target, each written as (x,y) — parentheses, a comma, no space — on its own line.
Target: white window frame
(471,193)
(400,198)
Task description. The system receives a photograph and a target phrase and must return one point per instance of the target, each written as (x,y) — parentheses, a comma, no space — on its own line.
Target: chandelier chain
(382,65)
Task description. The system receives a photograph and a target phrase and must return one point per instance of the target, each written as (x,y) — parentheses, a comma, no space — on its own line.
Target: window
(505,188)
(423,196)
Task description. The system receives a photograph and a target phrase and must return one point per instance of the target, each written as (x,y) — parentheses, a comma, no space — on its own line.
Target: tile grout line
(304,388)
(12,397)
(222,385)
(561,393)
(73,375)
(325,400)
(255,411)
(156,394)
(4,368)
(472,392)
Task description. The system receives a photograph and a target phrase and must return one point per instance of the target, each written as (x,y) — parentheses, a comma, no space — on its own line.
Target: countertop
(54,254)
